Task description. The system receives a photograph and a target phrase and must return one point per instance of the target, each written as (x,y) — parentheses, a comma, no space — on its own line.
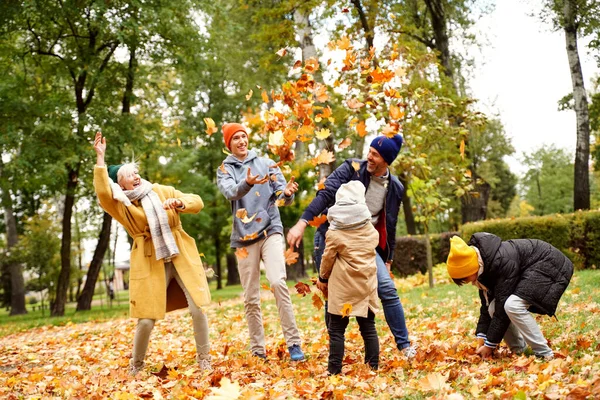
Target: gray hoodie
(258,200)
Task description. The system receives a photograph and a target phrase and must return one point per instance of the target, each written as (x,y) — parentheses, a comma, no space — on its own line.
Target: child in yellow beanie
(514,278)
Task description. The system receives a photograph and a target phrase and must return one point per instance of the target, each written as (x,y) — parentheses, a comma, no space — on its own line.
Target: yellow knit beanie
(462,259)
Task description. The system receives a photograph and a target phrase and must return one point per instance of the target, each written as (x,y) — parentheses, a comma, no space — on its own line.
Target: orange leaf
(302,288)
(354,104)
(321,184)
(241,213)
(324,157)
(265,96)
(343,43)
(222,168)
(280,202)
(311,65)
(318,220)
(210,126)
(361,129)
(345,143)
(317,302)
(346,309)
(396,112)
(281,52)
(355,165)
(241,253)
(291,257)
(250,236)
(249,94)
(462,149)
(266,287)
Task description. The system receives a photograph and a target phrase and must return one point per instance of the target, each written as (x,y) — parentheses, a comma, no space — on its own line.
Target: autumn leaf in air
(396,112)
(324,157)
(462,149)
(317,302)
(318,220)
(323,134)
(241,253)
(355,104)
(291,257)
(280,202)
(321,184)
(311,65)
(250,236)
(222,168)
(345,143)
(265,96)
(281,52)
(249,95)
(302,288)
(343,43)
(355,165)
(241,213)
(210,126)
(361,129)
(346,309)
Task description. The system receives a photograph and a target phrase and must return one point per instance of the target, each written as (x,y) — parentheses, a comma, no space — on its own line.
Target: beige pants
(270,251)
(145,325)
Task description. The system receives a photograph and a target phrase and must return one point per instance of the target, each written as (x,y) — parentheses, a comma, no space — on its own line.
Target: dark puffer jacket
(531,269)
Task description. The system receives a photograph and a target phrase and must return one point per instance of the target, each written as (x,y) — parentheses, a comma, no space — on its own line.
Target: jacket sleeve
(392,221)
(193,203)
(278,184)
(326,197)
(113,207)
(484,318)
(231,189)
(328,258)
(507,281)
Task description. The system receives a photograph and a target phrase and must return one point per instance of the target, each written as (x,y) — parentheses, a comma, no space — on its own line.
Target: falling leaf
(280,202)
(361,129)
(276,138)
(281,52)
(346,310)
(222,168)
(324,157)
(241,253)
(318,220)
(311,65)
(323,134)
(179,143)
(241,213)
(355,165)
(354,104)
(228,391)
(264,286)
(462,149)
(247,219)
(291,257)
(265,96)
(396,112)
(321,184)
(317,302)
(249,95)
(343,43)
(250,236)
(345,143)
(257,195)
(302,288)
(210,126)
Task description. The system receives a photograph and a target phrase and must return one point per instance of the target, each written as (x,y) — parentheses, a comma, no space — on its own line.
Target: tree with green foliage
(548,182)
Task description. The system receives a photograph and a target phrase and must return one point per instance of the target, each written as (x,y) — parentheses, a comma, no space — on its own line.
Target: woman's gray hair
(127,169)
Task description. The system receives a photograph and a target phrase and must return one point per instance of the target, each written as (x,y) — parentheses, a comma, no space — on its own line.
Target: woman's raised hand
(100,148)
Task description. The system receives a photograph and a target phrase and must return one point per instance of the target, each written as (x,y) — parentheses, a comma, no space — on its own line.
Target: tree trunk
(440,32)
(367,29)
(64,277)
(581,195)
(15,270)
(474,207)
(233,275)
(87,294)
(409,218)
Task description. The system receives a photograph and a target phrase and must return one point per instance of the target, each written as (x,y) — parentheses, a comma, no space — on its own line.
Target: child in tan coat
(348,274)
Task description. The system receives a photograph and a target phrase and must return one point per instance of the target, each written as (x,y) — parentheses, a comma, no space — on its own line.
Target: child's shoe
(296,353)
(409,352)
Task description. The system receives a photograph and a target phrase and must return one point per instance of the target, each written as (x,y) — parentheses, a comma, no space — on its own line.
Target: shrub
(410,254)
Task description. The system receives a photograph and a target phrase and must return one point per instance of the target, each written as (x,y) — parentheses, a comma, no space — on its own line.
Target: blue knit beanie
(112,172)
(387,147)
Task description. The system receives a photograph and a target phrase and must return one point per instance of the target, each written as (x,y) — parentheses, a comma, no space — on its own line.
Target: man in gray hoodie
(256,187)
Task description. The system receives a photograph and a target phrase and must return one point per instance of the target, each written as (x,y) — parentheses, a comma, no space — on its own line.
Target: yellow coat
(147,295)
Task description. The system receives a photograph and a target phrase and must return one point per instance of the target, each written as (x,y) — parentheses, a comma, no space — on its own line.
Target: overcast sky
(522,72)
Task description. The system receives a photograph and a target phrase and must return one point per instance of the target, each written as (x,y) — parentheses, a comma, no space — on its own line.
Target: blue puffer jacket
(258,200)
(345,173)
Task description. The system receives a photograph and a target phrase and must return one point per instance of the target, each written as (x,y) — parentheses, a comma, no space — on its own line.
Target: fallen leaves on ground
(90,360)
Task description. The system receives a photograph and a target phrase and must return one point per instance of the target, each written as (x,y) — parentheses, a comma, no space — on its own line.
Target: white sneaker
(204,365)
(409,352)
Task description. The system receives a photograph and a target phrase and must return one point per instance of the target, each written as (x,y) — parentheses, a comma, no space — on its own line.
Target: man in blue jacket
(255,187)
(383,197)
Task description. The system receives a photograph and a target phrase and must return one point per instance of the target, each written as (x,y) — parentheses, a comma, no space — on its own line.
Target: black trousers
(337,328)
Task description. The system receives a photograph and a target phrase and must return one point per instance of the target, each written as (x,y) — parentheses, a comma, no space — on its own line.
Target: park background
(498,106)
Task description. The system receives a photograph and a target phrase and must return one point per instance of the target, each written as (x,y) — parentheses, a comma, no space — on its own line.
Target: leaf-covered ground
(90,360)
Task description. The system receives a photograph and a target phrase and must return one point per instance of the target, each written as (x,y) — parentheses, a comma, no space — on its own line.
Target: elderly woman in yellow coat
(166,272)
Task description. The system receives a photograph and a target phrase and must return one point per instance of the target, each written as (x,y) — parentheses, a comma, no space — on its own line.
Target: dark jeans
(386,289)
(337,328)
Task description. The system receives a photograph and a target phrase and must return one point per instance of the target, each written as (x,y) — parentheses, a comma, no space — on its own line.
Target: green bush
(577,235)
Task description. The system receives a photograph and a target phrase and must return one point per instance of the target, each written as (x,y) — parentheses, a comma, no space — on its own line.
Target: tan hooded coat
(147,295)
